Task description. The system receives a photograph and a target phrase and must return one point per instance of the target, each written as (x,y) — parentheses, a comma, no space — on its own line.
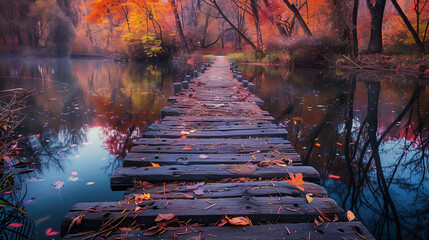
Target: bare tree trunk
(413,32)
(254,6)
(179,25)
(376,10)
(354,30)
(298,16)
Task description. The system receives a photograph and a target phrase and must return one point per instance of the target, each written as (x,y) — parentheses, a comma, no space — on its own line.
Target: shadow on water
(80,125)
(366,133)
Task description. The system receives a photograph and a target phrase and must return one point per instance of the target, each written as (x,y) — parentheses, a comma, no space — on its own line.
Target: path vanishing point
(216,167)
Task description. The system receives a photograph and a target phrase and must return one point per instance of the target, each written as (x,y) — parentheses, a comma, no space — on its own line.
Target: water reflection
(79,125)
(367,135)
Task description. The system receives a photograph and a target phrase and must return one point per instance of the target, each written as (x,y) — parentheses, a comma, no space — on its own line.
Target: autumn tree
(413,32)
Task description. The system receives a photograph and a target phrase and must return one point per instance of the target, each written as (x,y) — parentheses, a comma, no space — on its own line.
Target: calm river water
(366,133)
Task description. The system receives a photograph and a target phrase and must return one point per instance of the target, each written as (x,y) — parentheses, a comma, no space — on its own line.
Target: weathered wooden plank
(162,127)
(144,159)
(279,132)
(228,190)
(214,141)
(218,118)
(220,148)
(336,230)
(258,209)
(195,124)
(124,177)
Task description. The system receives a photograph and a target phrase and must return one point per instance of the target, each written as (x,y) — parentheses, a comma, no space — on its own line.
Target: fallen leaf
(199,192)
(317,144)
(138,198)
(240,221)
(49,232)
(74,173)
(186,148)
(76,222)
(164,217)
(58,184)
(16,225)
(350,216)
(28,201)
(184,132)
(296,180)
(309,199)
(40,220)
(73,179)
(90,183)
(192,131)
(203,156)
(155,164)
(153,230)
(195,186)
(188,196)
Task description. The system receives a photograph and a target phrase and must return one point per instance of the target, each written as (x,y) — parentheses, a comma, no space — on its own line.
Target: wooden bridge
(215,168)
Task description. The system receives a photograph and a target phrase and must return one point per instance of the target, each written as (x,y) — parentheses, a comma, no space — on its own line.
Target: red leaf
(49,232)
(188,196)
(16,225)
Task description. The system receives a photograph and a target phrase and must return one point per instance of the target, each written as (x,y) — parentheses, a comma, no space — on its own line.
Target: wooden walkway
(216,159)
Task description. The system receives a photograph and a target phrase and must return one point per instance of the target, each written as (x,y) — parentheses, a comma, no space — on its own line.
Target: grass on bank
(208,57)
(277,57)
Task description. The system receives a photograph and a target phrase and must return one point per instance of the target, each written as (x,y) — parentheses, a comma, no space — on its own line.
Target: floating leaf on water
(73,179)
(58,184)
(33,179)
(49,232)
(28,201)
(334,176)
(74,173)
(16,225)
(40,220)
(90,183)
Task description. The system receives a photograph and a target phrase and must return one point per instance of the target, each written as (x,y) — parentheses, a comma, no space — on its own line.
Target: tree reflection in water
(370,130)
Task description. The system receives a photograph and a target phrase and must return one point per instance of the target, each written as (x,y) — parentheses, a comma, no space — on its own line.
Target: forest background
(302,32)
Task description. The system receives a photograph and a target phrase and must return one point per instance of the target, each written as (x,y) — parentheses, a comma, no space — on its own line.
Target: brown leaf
(164,217)
(153,230)
(76,222)
(195,186)
(199,192)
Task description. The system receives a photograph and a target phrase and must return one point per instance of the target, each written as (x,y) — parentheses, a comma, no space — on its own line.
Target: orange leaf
(188,196)
(240,221)
(350,216)
(296,180)
(154,164)
(186,148)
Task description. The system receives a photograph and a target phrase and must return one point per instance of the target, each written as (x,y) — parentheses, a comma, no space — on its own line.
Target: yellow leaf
(155,164)
(350,216)
(184,132)
(5,127)
(309,199)
(73,179)
(192,131)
